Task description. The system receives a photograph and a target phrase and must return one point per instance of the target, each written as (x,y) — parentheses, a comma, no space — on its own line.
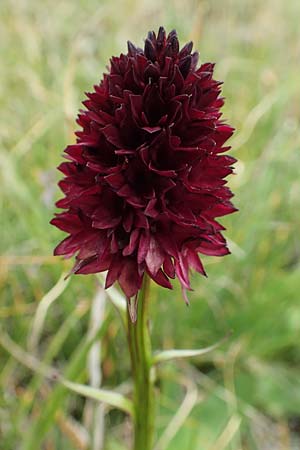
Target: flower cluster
(145,181)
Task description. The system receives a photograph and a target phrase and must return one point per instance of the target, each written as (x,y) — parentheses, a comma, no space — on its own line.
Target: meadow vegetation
(246,394)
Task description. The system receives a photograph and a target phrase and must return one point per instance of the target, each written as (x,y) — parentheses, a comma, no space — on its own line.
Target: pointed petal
(154,257)
(129,279)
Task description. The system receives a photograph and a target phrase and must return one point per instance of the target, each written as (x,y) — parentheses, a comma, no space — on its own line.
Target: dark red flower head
(145,180)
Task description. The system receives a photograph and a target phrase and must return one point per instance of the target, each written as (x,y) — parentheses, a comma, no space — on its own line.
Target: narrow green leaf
(42,309)
(168,355)
(109,397)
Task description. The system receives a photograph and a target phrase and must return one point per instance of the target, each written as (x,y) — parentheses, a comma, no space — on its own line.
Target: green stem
(141,361)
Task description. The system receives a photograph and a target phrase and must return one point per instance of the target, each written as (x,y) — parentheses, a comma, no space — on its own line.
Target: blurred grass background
(246,394)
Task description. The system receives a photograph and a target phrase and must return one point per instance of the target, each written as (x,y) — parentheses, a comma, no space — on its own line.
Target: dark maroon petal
(141,221)
(69,222)
(186,50)
(161,37)
(129,279)
(154,257)
(164,173)
(143,246)
(150,50)
(151,129)
(132,50)
(136,103)
(168,243)
(133,242)
(151,209)
(128,221)
(87,266)
(112,135)
(222,209)
(96,245)
(168,267)
(105,218)
(113,271)
(114,245)
(161,279)
(181,269)
(105,222)
(115,180)
(195,262)
(207,248)
(74,153)
(67,247)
